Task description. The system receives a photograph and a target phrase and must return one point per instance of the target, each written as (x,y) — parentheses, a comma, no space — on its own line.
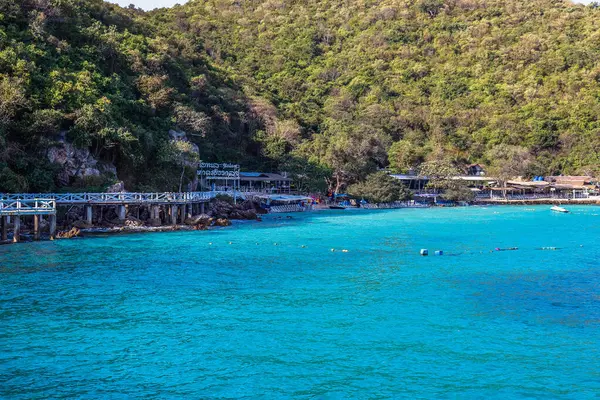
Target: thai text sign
(218,170)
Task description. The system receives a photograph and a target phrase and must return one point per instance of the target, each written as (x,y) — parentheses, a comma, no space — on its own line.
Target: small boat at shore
(337,207)
(559,209)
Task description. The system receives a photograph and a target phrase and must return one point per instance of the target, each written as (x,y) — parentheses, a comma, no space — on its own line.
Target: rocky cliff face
(80,163)
(77,163)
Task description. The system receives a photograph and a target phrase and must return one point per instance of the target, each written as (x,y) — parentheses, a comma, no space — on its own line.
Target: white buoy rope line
(423,252)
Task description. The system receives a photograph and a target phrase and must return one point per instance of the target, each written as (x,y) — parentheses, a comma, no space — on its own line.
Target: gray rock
(76,162)
(202,219)
(107,169)
(116,188)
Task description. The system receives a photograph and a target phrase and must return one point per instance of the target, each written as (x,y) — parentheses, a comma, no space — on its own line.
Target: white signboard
(219,170)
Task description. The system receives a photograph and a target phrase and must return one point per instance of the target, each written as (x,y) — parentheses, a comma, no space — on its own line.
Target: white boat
(559,209)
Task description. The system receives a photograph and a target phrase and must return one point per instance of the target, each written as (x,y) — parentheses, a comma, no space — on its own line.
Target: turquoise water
(173,316)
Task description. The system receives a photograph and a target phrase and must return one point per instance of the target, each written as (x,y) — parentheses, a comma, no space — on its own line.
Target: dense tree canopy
(379,187)
(105,79)
(323,85)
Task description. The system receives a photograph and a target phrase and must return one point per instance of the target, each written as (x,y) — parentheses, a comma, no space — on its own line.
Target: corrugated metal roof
(251,174)
(262,176)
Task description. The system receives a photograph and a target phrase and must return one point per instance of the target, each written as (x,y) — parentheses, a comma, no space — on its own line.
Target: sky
(152,4)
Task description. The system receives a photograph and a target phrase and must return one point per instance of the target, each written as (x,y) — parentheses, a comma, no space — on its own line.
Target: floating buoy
(506,249)
(549,248)
(332,249)
(303,246)
(439,252)
(424,252)
(344,251)
(210,243)
(230,242)
(274,244)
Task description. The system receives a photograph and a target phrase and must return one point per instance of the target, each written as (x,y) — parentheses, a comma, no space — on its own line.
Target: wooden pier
(163,208)
(11,212)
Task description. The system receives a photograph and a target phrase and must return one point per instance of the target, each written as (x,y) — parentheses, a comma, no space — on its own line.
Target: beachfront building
(489,188)
(418,183)
(227,177)
(550,187)
(412,181)
(265,182)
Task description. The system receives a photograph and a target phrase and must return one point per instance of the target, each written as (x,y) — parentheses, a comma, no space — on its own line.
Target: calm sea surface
(247,312)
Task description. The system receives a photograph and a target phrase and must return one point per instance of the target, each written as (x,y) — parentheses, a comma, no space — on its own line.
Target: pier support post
(4,228)
(52,224)
(201,208)
(88,214)
(188,212)
(174,212)
(36,227)
(17,229)
(122,212)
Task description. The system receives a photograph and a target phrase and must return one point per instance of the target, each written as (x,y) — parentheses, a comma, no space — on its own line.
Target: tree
(193,122)
(458,192)
(309,177)
(431,7)
(439,173)
(443,176)
(379,187)
(508,162)
(184,154)
(12,98)
(404,155)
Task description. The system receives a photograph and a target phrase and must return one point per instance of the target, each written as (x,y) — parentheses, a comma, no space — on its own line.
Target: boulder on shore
(222,222)
(201,219)
(132,221)
(245,210)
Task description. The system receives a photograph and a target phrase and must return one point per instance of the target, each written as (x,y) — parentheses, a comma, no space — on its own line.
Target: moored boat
(559,209)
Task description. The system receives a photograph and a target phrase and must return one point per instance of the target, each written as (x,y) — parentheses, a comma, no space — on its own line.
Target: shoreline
(27,237)
(132,229)
(539,202)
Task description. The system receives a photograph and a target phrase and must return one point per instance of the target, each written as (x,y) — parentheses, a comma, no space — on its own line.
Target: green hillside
(101,77)
(314,86)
